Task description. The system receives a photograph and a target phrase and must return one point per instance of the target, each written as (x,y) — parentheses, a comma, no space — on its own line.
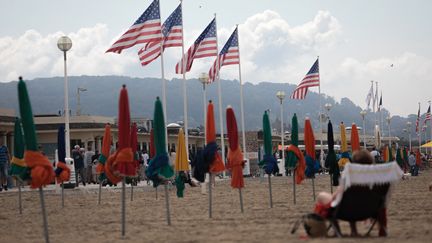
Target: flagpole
(321,127)
(185,111)
(220,100)
(419,130)
(247,166)
(430,121)
(163,88)
(381,117)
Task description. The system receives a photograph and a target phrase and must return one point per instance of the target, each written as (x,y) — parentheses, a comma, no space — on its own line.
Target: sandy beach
(82,220)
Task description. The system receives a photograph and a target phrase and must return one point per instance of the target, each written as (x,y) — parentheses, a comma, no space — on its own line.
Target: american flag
(428,115)
(146,29)
(310,80)
(172,32)
(229,55)
(204,46)
(418,120)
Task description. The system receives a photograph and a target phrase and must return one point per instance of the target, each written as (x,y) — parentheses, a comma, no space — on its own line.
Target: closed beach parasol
(355,141)
(270,164)
(345,157)
(42,172)
(181,163)
(309,140)
(295,158)
(216,163)
(235,156)
(159,170)
(331,162)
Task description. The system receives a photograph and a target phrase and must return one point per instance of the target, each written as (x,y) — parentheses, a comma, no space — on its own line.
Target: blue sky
(357,41)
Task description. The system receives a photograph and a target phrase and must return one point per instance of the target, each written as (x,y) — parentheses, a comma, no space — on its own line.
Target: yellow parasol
(181,161)
(427,145)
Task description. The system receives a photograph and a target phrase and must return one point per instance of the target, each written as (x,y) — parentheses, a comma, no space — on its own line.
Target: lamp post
(65,44)
(409,133)
(363,115)
(79,89)
(281,95)
(388,119)
(203,78)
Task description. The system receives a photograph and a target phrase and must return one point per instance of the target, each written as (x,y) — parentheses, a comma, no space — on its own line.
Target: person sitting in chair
(324,199)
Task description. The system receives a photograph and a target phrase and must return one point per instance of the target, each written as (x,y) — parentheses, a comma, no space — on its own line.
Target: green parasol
(291,159)
(399,158)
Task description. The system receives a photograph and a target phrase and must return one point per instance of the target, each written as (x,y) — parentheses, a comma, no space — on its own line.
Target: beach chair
(366,193)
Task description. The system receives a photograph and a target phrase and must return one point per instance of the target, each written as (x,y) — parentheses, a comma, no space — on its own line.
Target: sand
(82,220)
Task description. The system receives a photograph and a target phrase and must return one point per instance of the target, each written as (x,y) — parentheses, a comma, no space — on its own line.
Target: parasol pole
(210,194)
(19,196)
(44,216)
(321,133)
(156,193)
(132,192)
(100,192)
(294,186)
(62,193)
(313,188)
(241,200)
(167,204)
(242,113)
(185,111)
(123,207)
(220,104)
(270,191)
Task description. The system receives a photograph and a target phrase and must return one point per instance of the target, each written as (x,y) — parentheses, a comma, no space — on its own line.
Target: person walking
(413,165)
(79,165)
(88,163)
(4,165)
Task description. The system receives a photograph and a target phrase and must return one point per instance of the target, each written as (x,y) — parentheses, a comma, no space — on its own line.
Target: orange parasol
(216,165)
(355,141)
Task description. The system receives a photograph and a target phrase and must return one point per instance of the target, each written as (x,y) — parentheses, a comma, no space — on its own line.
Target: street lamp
(409,133)
(388,119)
(363,115)
(281,95)
(204,78)
(65,44)
(79,89)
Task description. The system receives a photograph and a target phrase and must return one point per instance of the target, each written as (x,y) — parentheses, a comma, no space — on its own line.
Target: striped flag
(428,115)
(172,32)
(310,80)
(418,120)
(204,46)
(229,55)
(146,28)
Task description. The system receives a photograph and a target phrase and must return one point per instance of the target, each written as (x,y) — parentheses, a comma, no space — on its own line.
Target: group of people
(85,163)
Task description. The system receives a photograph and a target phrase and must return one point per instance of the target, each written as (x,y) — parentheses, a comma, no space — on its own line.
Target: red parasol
(235,156)
(124,164)
(217,164)
(309,139)
(355,141)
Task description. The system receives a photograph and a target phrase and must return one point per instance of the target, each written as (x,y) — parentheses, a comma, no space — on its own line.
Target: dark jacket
(78,159)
